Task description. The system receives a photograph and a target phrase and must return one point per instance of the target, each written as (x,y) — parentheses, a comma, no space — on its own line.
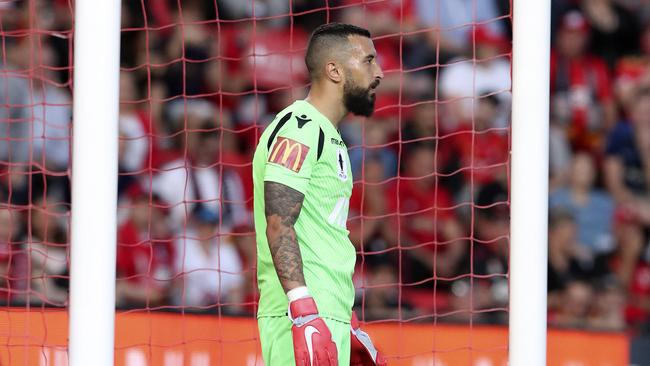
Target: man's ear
(334,72)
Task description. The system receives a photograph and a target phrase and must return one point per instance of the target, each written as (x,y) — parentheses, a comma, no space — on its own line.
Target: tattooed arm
(282,207)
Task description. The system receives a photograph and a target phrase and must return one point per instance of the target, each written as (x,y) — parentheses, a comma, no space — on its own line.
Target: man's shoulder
(296,122)
(299,115)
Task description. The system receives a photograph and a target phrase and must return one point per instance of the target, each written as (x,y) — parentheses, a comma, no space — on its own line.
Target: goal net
(199,81)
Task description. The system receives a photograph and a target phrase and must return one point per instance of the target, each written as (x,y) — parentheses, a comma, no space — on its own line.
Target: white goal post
(94,182)
(529,182)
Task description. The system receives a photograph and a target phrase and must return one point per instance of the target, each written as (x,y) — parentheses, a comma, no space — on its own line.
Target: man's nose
(379,74)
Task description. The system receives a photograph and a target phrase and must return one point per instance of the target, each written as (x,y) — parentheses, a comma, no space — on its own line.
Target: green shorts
(277,342)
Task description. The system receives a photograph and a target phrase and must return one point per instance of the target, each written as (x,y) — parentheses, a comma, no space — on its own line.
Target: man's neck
(327,103)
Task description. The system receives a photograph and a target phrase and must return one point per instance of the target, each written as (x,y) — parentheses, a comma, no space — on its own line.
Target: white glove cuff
(298,293)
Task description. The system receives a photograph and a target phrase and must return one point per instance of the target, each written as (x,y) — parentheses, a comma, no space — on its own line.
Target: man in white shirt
(210,268)
(488,73)
(200,180)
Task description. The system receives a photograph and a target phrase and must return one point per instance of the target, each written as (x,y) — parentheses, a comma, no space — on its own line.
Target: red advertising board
(39,338)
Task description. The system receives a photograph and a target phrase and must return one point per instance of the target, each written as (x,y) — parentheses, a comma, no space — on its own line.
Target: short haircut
(326,37)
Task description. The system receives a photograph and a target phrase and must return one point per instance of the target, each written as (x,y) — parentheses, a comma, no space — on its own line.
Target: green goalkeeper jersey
(303,150)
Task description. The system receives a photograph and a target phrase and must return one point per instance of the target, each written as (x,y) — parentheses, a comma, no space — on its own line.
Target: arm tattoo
(282,207)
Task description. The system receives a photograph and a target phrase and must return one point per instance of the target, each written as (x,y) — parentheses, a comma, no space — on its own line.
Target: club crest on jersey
(288,153)
(342,164)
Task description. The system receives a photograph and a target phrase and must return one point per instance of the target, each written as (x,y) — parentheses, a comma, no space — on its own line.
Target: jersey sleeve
(292,155)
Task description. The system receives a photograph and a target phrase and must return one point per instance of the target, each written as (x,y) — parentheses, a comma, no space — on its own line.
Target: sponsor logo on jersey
(337,142)
(341,164)
(288,153)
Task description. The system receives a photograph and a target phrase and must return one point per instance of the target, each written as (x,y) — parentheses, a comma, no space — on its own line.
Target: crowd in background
(429,214)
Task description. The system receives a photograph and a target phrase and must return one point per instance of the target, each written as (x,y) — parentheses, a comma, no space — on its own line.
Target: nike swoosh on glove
(312,340)
(363,352)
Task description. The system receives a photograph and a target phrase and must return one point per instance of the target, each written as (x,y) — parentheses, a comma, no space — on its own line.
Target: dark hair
(324,38)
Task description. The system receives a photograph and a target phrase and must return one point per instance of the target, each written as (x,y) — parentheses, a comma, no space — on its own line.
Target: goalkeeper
(302,187)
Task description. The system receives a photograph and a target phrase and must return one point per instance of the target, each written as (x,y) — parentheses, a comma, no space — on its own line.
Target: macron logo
(309,332)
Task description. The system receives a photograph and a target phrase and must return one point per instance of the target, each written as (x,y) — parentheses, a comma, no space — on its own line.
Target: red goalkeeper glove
(363,352)
(312,340)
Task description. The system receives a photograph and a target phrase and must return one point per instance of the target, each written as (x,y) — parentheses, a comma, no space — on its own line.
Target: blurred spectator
(581,95)
(482,149)
(234,9)
(375,275)
(31,183)
(145,255)
(614,30)
(456,19)
(45,122)
(23,183)
(470,301)
(609,307)
(8,228)
(384,18)
(191,41)
(568,260)
(272,59)
(200,180)
(381,295)
(574,305)
(486,73)
(47,250)
(560,155)
(487,256)
(135,128)
(14,97)
(627,175)
(12,14)
(593,209)
(633,72)
(637,311)
(368,205)
(229,76)
(582,305)
(628,148)
(209,266)
(309,14)
(639,8)
(13,266)
(426,228)
(424,125)
(423,122)
(34,105)
(375,143)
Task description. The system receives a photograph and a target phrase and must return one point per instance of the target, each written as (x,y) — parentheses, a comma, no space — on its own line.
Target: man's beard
(358,100)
